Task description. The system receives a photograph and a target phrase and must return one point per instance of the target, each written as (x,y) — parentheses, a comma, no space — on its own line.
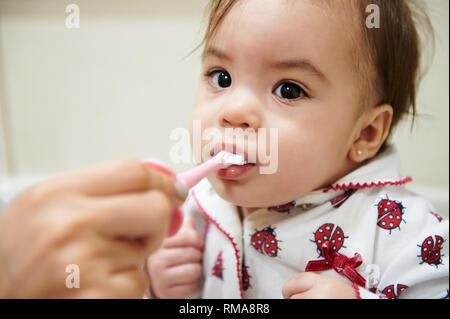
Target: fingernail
(182,190)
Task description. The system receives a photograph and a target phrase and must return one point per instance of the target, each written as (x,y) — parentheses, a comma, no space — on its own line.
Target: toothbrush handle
(191,177)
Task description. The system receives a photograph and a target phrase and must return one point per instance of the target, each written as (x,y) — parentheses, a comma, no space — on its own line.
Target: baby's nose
(227,122)
(243,115)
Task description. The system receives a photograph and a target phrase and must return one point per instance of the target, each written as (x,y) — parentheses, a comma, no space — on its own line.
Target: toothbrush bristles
(233,159)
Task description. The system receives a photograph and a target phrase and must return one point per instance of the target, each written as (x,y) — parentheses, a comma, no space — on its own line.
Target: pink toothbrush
(221,160)
(193,176)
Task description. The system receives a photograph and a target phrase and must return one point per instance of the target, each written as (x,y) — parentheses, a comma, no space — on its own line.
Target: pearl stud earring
(359,152)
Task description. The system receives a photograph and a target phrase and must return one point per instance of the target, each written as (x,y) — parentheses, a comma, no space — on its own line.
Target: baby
(335,219)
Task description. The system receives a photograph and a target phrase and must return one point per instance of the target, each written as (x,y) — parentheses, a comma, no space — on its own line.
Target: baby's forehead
(324,32)
(342,18)
(282,27)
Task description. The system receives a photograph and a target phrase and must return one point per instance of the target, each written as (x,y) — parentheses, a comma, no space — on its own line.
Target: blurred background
(120,83)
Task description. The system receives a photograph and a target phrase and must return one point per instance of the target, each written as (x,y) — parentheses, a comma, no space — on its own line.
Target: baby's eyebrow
(302,64)
(212,51)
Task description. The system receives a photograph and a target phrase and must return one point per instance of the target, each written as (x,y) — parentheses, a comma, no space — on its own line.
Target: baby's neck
(245,211)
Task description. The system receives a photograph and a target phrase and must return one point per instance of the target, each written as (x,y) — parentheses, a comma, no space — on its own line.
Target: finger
(134,216)
(123,255)
(183,274)
(178,221)
(178,256)
(189,223)
(117,177)
(305,295)
(183,291)
(186,237)
(180,188)
(102,280)
(298,284)
(128,285)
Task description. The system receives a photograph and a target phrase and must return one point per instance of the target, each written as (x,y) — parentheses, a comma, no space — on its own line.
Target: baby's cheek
(288,183)
(301,169)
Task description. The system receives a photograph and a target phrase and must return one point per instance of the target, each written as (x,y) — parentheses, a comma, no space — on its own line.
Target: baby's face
(285,65)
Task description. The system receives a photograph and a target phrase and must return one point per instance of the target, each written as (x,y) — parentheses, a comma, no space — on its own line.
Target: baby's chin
(248,192)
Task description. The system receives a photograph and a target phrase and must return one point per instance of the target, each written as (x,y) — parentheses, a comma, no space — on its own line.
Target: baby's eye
(289,91)
(220,79)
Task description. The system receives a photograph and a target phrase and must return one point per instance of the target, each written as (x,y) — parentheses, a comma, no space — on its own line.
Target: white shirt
(393,241)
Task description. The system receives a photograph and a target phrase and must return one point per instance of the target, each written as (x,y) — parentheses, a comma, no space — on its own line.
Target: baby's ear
(373,133)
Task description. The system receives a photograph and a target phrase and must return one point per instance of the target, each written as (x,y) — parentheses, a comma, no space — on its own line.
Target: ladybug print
(338,201)
(265,242)
(439,217)
(430,251)
(390,214)
(245,277)
(217,269)
(285,208)
(391,293)
(331,233)
(446,295)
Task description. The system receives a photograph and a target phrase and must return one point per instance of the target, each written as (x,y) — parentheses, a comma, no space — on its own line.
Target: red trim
(366,185)
(356,288)
(236,251)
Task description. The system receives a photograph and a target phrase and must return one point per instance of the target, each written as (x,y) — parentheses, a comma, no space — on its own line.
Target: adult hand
(106,220)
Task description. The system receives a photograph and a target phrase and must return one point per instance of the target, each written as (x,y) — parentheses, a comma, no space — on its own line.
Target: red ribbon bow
(340,263)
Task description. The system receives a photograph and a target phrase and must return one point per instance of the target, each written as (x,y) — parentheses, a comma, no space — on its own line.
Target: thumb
(299,283)
(189,222)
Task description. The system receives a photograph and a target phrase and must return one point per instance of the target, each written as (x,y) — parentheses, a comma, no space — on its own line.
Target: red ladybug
(430,251)
(331,233)
(390,214)
(245,277)
(285,208)
(217,269)
(265,242)
(390,292)
(338,201)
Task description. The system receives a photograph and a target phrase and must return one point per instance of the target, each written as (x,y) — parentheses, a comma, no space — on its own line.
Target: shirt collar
(382,170)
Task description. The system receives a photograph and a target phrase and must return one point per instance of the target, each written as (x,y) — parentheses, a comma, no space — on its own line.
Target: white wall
(425,150)
(117,86)
(114,88)
(3,155)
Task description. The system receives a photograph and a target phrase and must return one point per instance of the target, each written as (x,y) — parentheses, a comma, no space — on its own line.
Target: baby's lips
(177,215)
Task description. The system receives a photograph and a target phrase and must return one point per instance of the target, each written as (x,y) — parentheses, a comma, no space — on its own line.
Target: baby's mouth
(234,172)
(233,148)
